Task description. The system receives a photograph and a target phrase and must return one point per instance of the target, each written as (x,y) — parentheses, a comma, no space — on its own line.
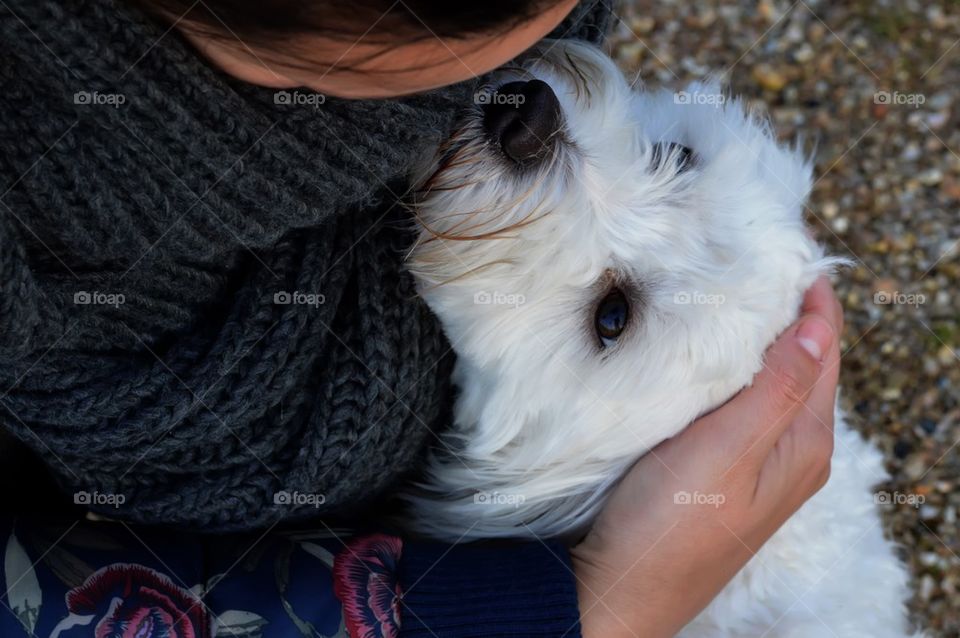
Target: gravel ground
(877,86)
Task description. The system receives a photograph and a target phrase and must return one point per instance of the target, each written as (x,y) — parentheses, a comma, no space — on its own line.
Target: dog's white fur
(514,263)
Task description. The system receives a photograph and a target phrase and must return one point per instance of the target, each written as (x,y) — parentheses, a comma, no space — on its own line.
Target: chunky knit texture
(180,203)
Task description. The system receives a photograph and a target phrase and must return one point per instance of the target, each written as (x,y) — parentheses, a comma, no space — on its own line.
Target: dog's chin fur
(514,261)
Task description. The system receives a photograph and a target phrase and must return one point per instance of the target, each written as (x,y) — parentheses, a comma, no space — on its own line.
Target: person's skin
(648,566)
(376,71)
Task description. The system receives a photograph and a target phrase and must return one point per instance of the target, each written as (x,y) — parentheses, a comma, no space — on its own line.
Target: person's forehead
(383,66)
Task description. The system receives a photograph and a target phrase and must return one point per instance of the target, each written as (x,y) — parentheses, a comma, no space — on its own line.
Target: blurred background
(877,86)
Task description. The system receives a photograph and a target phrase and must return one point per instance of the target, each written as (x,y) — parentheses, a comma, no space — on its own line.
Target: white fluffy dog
(609,265)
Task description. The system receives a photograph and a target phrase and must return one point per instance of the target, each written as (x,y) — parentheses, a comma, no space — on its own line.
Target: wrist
(613,606)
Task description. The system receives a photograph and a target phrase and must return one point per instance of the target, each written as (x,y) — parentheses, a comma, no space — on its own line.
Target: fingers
(791,370)
(802,363)
(821,300)
(799,463)
(807,457)
(822,399)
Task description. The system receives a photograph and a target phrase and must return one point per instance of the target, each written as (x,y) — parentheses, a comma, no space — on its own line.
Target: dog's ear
(784,166)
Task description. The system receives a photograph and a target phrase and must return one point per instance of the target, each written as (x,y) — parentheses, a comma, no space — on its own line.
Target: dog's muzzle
(523,118)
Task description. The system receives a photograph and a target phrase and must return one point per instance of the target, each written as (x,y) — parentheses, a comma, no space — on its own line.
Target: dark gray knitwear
(180,214)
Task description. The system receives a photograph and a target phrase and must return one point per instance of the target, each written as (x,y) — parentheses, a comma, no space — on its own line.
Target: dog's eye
(611,317)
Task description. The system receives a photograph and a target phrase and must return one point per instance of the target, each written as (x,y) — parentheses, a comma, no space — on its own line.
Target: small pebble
(929,512)
(767,77)
(902,449)
(927,587)
(804,54)
(931,177)
(937,121)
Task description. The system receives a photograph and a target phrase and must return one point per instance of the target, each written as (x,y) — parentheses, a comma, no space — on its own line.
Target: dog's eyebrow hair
(582,82)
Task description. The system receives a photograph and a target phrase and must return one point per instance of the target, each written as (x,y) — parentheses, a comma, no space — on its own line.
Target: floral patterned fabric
(365,580)
(108,580)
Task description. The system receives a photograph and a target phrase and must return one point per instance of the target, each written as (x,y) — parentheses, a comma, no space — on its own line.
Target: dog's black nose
(524,117)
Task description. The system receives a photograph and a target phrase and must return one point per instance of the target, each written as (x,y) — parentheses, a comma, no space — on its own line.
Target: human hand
(649,565)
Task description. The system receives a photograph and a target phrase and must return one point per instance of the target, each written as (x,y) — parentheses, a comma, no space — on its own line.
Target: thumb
(751,423)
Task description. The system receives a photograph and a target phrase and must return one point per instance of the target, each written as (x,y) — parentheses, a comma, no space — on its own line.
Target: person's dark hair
(262,20)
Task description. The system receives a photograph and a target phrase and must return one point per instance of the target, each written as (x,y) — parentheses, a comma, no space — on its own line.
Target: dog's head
(608,264)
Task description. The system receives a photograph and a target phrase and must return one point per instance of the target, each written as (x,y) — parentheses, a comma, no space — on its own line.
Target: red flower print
(133,601)
(365,581)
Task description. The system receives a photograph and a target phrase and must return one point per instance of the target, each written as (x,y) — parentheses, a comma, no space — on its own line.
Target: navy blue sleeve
(492,591)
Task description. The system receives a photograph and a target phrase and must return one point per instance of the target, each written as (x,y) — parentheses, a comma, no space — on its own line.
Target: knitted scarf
(204,318)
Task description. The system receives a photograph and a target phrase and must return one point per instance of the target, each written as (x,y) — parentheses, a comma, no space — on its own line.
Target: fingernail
(815,335)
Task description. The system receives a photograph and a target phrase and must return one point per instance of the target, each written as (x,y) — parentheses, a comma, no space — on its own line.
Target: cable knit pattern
(194,202)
